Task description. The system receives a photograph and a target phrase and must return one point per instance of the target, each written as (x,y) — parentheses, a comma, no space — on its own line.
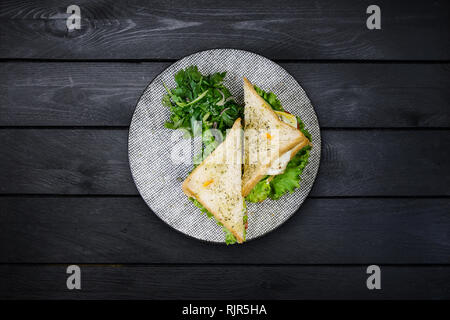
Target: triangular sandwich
(269,142)
(217,183)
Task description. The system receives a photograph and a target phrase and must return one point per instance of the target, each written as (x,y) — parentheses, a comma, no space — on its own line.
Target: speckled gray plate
(159,180)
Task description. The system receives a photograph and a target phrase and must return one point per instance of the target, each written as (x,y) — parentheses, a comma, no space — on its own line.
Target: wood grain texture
(323,231)
(411,30)
(224,282)
(353,163)
(350,95)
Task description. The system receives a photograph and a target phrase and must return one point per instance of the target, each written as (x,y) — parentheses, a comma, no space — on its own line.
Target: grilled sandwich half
(269,141)
(217,183)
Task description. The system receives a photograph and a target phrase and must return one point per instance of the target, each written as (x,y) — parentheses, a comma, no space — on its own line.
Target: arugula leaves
(290,179)
(200,98)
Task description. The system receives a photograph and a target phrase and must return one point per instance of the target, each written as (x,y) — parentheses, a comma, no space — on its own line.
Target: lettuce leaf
(281,184)
(289,180)
(229,237)
(301,127)
(201,207)
(260,192)
(270,98)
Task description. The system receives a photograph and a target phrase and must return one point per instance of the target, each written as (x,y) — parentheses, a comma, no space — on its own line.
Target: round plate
(159,179)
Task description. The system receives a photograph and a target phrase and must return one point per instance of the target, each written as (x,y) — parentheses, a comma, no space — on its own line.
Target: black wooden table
(382,194)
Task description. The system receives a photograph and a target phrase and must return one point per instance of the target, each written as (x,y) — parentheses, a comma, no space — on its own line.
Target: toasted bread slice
(266,138)
(216,183)
(299,147)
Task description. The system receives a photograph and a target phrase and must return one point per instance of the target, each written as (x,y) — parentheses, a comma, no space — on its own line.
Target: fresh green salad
(276,186)
(198,104)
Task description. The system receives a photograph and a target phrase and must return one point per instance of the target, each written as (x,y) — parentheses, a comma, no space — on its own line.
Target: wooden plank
(354,162)
(344,94)
(411,30)
(72,94)
(65,161)
(223,282)
(324,231)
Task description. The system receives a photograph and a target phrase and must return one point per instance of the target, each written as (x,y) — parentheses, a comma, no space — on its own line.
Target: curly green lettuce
(283,183)
(301,127)
(270,98)
(260,192)
(290,179)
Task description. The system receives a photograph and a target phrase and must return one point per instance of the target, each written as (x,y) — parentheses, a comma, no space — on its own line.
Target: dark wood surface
(347,95)
(382,195)
(412,30)
(353,162)
(222,282)
(122,230)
